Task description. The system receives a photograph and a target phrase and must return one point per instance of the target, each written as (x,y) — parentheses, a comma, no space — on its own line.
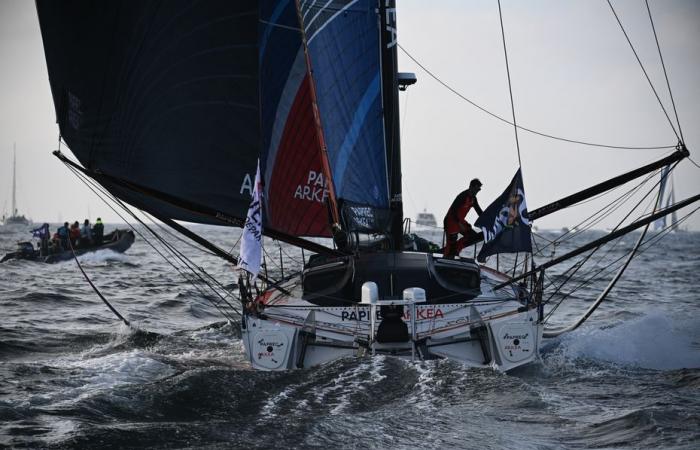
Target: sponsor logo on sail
(315,189)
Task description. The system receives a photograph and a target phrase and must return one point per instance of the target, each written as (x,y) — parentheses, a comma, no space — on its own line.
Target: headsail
(344,47)
(296,187)
(162,96)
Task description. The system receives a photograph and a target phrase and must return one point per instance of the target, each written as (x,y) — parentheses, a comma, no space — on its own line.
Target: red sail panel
(297,190)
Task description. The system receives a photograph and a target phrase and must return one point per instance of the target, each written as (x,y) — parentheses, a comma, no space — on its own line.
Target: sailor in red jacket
(455,220)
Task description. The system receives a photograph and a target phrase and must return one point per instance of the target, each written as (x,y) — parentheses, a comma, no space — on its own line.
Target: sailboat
(667,196)
(179,105)
(15,220)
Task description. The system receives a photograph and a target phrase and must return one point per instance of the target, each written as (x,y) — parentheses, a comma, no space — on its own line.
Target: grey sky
(573,76)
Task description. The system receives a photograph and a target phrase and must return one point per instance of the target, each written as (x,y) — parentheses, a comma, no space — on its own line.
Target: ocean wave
(653,340)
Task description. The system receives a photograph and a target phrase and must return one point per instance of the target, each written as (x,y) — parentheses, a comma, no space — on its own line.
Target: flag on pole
(42,232)
(251,241)
(505,222)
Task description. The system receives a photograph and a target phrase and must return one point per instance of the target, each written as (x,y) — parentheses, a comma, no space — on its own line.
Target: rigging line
(94,288)
(694,163)
(582,284)
(606,210)
(564,296)
(622,267)
(648,244)
(187,278)
(536,236)
(594,274)
(290,257)
(591,245)
(529,130)
(272,260)
(189,264)
(574,269)
(175,236)
(578,265)
(620,201)
(663,65)
(669,229)
(174,249)
(510,86)
(644,70)
(592,221)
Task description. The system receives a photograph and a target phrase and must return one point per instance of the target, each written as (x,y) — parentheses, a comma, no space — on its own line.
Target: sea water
(71,375)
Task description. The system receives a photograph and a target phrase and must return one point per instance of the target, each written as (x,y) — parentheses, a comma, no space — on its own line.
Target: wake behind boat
(118,241)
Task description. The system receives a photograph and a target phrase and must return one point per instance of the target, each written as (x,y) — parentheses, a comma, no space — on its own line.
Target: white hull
(491,330)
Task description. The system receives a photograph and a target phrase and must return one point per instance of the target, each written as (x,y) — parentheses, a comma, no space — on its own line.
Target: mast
(390,101)
(14,180)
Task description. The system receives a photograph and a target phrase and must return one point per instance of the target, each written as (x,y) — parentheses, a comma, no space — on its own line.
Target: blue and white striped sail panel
(344,49)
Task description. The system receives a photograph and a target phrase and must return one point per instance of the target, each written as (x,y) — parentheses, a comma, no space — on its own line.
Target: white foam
(90,376)
(102,256)
(118,369)
(652,341)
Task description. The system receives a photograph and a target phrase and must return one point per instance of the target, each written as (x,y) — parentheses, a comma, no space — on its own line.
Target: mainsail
(160,100)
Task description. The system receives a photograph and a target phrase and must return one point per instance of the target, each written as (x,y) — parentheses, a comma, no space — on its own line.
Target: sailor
(63,234)
(74,233)
(86,234)
(98,230)
(55,246)
(455,222)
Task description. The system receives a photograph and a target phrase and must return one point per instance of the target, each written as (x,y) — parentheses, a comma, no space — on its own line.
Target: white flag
(251,241)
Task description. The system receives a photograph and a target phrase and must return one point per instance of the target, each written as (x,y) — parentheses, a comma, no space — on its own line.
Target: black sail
(160,98)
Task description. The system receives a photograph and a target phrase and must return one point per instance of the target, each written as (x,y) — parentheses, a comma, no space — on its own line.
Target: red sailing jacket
(457,213)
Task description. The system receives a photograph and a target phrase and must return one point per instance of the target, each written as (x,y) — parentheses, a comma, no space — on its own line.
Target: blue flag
(41,232)
(505,222)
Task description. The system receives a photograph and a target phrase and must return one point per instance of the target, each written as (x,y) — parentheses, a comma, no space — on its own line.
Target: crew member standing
(98,231)
(455,222)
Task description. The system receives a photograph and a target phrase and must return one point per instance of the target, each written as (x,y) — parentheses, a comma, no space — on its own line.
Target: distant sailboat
(15,220)
(667,196)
